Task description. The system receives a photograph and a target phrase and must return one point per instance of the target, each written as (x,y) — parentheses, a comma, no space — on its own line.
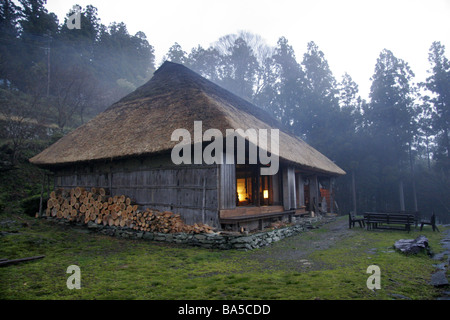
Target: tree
(321,105)
(206,62)
(351,140)
(176,54)
(438,83)
(74,90)
(9,42)
(349,99)
(390,115)
(75,71)
(36,19)
(285,89)
(19,126)
(9,15)
(37,26)
(118,55)
(425,136)
(240,67)
(243,62)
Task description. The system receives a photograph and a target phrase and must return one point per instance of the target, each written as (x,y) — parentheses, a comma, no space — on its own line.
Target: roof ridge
(143,121)
(199,82)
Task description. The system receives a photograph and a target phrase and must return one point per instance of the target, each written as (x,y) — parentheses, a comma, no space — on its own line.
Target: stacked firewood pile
(82,205)
(165,222)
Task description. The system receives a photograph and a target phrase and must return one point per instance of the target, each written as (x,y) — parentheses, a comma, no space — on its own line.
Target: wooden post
(300,189)
(289,190)
(258,187)
(48,186)
(354,192)
(285,188)
(331,196)
(276,189)
(203,200)
(42,195)
(110,181)
(292,187)
(314,191)
(227,183)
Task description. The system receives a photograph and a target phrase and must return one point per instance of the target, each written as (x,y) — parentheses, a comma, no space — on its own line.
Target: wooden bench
(376,220)
(416,215)
(352,219)
(431,222)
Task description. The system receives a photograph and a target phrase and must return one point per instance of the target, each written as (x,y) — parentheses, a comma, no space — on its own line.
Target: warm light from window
(242,195)
(266,194)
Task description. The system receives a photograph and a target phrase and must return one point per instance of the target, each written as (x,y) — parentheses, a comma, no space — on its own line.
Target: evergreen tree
(9,16)
(390,115)
(439,84)
(122,58)
(176,54)
(9,43)
(287,89)
(37,21)
(321,105)
(240,69)
(206,62)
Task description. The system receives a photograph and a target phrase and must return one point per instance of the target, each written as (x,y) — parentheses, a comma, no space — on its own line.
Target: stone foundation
(220,240)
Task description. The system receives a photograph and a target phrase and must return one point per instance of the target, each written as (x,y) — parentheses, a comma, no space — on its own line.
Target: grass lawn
(319,264)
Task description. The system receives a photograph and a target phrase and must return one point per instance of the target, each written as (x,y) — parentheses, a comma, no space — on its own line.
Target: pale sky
(351,33)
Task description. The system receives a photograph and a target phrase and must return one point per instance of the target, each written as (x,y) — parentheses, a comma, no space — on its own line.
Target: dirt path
(293,253)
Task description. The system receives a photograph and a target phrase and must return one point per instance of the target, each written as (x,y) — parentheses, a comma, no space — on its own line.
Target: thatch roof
(142,123)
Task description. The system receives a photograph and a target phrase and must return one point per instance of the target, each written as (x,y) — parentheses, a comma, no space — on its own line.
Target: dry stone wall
(219,240)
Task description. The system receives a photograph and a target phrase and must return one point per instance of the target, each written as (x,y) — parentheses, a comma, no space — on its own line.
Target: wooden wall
(289,193)
(196,192)
(153,183)
(300,190)
(227,183)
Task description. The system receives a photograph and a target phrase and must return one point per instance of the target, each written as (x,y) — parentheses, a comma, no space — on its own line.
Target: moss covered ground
(325,263)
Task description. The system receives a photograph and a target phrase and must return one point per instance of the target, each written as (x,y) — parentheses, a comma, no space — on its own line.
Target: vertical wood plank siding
(276,189)
(300,191)
(190,191)
(227,187)
(289,194)
(314,190)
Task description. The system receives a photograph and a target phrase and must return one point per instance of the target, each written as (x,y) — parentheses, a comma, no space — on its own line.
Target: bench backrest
(433,219)
(390,217)
(416,214)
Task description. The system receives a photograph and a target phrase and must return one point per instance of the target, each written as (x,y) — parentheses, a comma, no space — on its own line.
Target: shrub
(30,205)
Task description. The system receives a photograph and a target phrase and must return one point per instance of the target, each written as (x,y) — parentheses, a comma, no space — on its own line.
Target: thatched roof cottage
(127,150)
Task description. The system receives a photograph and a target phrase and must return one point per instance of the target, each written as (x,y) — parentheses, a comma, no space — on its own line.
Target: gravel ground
(293,253)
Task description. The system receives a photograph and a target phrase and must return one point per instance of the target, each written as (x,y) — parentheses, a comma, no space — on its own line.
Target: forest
(394,146)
